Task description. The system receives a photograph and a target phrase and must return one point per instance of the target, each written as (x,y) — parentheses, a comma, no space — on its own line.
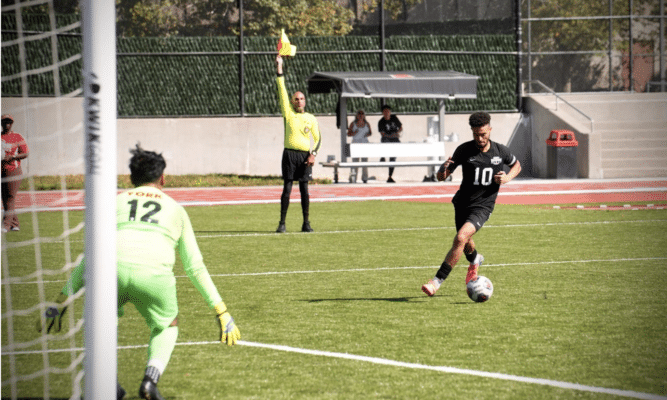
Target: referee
(298,157)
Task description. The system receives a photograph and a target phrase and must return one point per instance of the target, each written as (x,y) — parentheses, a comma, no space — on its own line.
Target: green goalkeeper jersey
(298,126)
(149,226)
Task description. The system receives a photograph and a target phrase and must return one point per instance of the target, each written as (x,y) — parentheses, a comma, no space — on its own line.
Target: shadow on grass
(232,232)
(390,299)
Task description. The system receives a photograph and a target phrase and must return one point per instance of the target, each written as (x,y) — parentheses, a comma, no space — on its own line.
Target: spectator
(14,150)
(360,130)
(390,128)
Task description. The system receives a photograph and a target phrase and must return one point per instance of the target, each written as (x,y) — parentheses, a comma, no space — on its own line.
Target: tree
(298,17)
(396,8)
(260,17)
(220,17)
(564,72)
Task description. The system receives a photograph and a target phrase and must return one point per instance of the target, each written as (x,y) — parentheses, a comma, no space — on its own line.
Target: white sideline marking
(401,364)
(423,267)
(389,269)
(430,228)
(501,194)
(314,199)
(452,370)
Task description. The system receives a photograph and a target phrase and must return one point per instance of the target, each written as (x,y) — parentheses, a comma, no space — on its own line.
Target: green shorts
(152,292)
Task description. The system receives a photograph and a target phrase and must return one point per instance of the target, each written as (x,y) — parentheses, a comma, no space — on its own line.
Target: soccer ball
(480,289)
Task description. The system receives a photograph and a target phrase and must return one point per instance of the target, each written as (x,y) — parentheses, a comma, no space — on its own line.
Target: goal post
(99,90)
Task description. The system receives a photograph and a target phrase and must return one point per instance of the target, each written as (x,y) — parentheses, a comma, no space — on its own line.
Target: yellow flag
(285,49)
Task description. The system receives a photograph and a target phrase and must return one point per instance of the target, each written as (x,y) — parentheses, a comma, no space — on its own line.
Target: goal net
(69,128)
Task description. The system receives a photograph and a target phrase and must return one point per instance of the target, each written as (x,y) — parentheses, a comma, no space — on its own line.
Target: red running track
(529,191)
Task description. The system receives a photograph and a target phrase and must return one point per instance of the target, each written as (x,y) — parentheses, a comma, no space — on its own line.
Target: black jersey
(478,188)
(389,127)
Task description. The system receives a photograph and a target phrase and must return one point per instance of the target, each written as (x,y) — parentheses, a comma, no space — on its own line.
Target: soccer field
(578,311)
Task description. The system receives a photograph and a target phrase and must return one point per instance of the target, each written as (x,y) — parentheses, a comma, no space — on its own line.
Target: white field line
(401,364)
(423,196)
(425,267)
(208,236)
(389,230)
(348,270)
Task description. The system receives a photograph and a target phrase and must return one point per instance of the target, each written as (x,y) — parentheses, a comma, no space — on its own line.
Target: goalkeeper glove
(229,332)
(53,317)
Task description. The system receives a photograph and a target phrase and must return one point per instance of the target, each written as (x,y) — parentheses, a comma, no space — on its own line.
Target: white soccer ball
(480,289)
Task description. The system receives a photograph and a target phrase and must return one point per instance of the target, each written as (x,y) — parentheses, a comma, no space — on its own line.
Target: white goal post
(99,89)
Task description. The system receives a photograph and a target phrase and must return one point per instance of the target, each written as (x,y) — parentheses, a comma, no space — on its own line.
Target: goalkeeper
(150,225)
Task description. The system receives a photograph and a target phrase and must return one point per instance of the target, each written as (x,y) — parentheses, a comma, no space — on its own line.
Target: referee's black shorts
(475,215)
(294,166)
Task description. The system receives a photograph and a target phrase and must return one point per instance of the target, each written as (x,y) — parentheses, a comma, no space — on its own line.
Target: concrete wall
(234,145)
(546,116)
(627,137)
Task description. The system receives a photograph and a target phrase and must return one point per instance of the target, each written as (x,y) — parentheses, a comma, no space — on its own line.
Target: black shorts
(476,216)
(294,166)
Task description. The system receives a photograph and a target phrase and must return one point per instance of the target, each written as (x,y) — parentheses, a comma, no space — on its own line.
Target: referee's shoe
(306,227)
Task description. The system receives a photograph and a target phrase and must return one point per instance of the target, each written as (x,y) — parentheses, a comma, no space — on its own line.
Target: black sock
(305,200)
(444,271)
(471,257)
(284,200)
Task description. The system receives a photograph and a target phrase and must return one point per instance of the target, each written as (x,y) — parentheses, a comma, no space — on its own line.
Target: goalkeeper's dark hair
(479,119)
(145,166)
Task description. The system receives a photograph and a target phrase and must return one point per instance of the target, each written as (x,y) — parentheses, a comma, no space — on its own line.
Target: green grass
(77,182)
(579,298)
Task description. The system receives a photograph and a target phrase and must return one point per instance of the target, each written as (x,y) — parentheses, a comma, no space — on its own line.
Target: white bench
(429,152)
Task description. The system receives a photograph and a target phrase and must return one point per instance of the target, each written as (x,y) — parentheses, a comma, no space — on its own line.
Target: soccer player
(482,161)
(150,225)
(298,157)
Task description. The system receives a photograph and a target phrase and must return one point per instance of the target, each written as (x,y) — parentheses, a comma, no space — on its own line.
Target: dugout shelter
(438,85)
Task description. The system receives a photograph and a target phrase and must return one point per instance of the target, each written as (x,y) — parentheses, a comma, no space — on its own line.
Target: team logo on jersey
(496,160)
(306,129)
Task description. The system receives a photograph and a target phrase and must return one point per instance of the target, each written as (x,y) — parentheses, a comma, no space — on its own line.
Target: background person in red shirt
(14,149)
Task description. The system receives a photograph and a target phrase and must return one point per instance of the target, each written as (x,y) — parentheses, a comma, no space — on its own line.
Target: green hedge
(154,82)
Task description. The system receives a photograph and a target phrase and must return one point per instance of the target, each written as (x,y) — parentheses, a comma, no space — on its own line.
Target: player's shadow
(35,398)
(389,299)
(232,232)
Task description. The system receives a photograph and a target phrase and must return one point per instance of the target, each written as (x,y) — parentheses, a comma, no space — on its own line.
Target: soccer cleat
(306,227)
(120,392)
(148,390)
(473,268)
(430,288)
(391,180)
(281,228)
(14,228)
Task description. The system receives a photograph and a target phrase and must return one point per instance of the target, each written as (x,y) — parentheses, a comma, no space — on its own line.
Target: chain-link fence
(580,46)
(568,45)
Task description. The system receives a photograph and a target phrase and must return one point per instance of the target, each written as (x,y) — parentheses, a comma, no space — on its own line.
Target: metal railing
(558,97)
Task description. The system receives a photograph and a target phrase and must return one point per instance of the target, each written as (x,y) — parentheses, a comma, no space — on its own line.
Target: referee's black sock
(305,200)
(471,257)
(444,271)
(284,200)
